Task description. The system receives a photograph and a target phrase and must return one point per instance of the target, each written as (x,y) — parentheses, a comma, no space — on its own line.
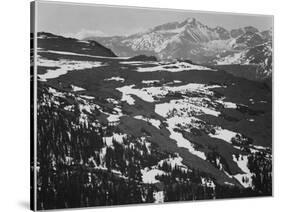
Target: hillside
(115,130)
(53,42)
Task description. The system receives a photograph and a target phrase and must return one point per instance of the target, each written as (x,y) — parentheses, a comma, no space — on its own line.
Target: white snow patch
(228,183)
(87,97)
(127,98)
(116,136)
(230,105)
(252,101)
(55,92)
(127,91)
(131,62)
(156,123)
(174,67)
(236,58)
(146,143)
(76,88)
(119,137)
(108,141)
(149,94)
(115,117)
(208,183)
(227,104)
(113,101)
(63,66)
(180,113)
(182,142)
(259,147)
(115,79)
(173,122)
(83,41)
(83,55)
(149,81)
(137,62)
(223,134)
(173,162)
(242,162)
(184,107)
(69,108)
(148,175)
(246,178)
(158,196)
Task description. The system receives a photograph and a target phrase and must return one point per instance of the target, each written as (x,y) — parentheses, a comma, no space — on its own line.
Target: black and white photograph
(135,105)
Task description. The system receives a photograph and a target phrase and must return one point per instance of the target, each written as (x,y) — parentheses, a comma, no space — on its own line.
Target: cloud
(85,33)
(135,31)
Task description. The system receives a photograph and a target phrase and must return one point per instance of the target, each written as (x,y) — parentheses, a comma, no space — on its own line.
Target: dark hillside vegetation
(115,130)
(77,169)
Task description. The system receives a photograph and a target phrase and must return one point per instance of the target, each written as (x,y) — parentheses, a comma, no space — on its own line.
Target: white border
(15,104)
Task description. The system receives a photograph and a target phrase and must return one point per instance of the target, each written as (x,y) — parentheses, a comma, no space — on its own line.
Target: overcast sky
(83,20)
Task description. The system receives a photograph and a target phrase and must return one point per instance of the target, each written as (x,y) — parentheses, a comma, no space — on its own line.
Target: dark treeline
(260,164)
(77,168)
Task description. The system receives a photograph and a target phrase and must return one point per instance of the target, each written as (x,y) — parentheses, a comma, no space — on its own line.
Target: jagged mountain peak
(188,39)
(236,32)
(251,29)
(166,26)
(194,23)
(267,34)
(242,30)
(191,22)
(187,23)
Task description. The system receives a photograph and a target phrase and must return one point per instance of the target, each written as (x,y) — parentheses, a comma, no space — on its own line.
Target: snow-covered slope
(260,55)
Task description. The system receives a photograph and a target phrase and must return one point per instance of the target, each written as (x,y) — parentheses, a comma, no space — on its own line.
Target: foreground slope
(152,131)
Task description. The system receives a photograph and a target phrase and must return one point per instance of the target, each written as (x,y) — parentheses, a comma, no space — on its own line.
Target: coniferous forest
(76,167)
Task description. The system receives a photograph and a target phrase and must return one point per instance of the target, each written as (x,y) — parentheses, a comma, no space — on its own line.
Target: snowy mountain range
(196,41)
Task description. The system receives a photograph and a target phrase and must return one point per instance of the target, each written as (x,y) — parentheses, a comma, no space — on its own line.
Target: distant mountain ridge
(189,39)
(59,43)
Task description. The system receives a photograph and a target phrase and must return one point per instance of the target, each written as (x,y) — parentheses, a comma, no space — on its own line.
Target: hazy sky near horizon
(81,20)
